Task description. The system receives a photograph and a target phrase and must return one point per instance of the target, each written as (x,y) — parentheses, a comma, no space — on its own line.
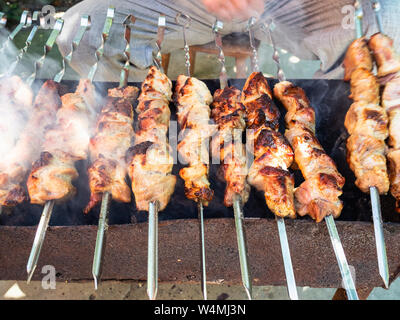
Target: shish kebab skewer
(51,176)
(228,113)
(192,99)
(319,194)
(273,156)
(367,123)
(15,167)
(388,62)
(150,159)
(107,148)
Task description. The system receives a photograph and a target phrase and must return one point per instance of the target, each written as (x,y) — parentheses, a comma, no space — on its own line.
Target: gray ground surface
(114,290)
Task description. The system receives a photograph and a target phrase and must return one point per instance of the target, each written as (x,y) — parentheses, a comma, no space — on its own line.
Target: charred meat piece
(364,86)
(228,113)
(391,103)
(387,59)
(357,56)
(318,195)
(64,144)
(273,155)
(109,145)
(367,123)
(150,158)
(193,98)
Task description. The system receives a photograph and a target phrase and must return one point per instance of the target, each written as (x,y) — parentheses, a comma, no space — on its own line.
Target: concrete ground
(207,66)
(117,290)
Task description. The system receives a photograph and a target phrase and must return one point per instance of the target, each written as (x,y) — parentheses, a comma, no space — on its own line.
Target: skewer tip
(30,272)
(95,282)
(249,293)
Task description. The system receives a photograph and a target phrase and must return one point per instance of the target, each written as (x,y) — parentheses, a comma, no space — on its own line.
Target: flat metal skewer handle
(268,28)
(185,21)
(157,58)
(39,239)
(84,26)
(359,14)
(25,21)
(127,52)
(101,238)
(241,240)
(152,252)
(376,6)
(47,48)
(348,280)
(254,57)
(104,36)
(203,250)
(38,22)
(223,77)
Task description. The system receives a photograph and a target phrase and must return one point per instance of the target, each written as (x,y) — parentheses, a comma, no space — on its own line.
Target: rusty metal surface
(70,250)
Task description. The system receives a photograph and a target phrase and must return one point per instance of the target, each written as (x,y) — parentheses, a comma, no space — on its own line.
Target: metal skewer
(287,260)
(106,197)
(237,203)
(376,6)
(336,243)
(39,239)
(373,191)
(104,36)
(223,77)
(48,208)
(185,20)
(160,37)
(85,25)
(25,21)
(152,251)
(47,48)
(38,22)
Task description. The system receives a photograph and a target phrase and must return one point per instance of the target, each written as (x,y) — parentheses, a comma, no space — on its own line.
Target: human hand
(228,10)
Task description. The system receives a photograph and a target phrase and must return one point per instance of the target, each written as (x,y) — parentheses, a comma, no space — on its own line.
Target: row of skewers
(148,159)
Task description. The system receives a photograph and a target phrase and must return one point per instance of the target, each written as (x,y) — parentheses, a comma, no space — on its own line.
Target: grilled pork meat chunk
(109,145)
(15,166)
(65,143)
(150,158)
(357,56)
(366,122)
(273,155)
(193,98)
(364,86)
(318,195)
(228,113)
(391,103)
(387,59)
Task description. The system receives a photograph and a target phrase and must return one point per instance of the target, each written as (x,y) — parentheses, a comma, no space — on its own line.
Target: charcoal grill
(70,240)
